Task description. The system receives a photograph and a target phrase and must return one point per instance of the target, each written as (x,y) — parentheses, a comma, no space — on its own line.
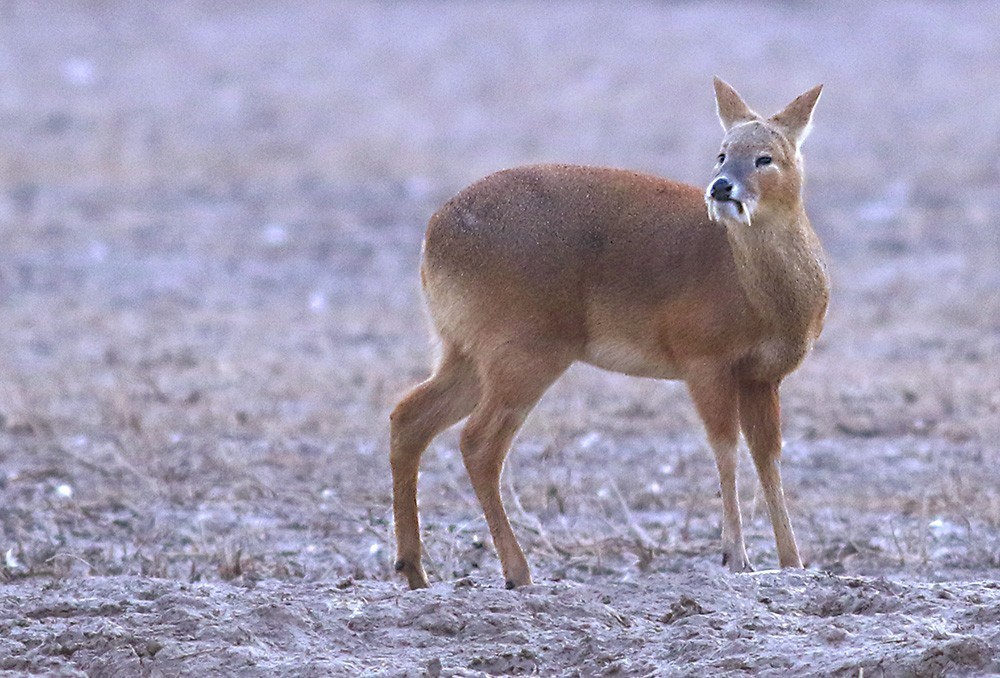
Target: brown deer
(534,268)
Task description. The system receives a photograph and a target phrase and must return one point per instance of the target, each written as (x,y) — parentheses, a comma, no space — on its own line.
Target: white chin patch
(730,211)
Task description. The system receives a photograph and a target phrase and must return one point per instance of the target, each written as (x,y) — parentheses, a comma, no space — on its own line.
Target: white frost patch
(589,440)
(761,573)
(65,491)
(275,234)
(374,548)
(79,72)
(945,529)
(446,453)
(418,187)
(10,560)
(98,251)
(317,301)
(368,448)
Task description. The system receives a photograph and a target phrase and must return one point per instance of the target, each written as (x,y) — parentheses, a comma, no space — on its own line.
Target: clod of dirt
(684,607)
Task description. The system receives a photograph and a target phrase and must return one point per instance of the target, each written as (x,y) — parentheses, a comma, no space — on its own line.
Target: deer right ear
(730,106)
(796,118)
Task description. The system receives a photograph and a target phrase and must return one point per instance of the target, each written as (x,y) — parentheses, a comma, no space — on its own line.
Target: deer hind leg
(441,401)
(760,417)
(715,397)
(512,384)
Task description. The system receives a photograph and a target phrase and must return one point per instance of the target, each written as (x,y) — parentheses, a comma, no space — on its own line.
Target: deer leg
(760,417)
(715,397)
(511,387)
(441,401)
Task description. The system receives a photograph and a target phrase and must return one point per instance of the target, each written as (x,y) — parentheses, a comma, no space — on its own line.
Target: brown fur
(531,269)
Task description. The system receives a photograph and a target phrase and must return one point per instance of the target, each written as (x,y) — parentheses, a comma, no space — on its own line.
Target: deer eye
(763,160)
(722,158)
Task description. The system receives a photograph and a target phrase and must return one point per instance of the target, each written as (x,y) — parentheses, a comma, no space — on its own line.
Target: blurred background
(210,219)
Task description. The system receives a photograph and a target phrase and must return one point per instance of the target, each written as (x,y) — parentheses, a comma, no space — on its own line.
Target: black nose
(722,189)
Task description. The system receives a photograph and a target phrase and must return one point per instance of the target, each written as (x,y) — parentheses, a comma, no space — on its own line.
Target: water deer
(531,269)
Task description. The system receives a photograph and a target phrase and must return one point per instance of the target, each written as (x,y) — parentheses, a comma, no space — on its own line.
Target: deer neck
(779,262)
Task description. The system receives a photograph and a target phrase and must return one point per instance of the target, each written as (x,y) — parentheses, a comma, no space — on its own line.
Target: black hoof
(510,584)
(725,558)
(399,565)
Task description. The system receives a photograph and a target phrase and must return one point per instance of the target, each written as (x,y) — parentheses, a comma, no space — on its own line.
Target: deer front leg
(734,550)
(760,418)
(715,397)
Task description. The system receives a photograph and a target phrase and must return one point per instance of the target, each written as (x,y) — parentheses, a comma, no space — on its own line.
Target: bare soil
(210,220)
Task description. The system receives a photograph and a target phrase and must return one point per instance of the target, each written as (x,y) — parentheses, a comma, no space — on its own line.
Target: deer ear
(796,119)
(730,106)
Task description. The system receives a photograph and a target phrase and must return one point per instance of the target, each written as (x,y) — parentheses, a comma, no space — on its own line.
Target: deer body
(534,268)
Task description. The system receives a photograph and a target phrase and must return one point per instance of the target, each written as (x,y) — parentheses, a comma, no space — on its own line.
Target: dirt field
(210,222)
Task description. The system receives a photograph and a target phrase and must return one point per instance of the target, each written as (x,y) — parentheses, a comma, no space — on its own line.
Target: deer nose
(722,189)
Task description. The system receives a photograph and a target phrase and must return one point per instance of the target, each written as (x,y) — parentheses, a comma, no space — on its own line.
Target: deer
(532,269)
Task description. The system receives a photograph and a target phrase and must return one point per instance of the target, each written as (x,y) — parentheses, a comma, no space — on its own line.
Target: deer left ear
(796,118)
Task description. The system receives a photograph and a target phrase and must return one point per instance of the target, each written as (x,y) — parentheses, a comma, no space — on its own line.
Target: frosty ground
(210,233)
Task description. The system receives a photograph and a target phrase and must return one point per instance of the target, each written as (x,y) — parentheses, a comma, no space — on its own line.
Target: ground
(210,220)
